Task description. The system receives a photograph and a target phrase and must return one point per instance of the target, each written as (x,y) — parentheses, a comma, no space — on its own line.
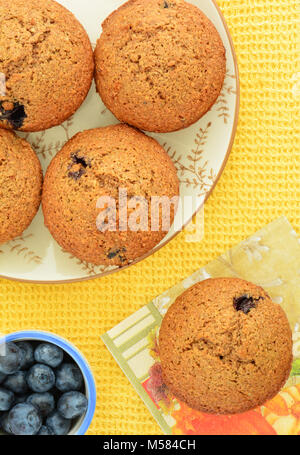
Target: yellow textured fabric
(261,182)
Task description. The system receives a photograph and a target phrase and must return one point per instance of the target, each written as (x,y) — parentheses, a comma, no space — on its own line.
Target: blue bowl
(81,426)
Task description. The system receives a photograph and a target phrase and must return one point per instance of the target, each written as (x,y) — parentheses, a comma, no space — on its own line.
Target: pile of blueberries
(41,389)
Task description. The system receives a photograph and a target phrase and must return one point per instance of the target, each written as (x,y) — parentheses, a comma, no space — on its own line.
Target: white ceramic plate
(199,152)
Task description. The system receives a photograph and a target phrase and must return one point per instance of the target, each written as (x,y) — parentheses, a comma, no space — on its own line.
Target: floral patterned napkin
(271,259)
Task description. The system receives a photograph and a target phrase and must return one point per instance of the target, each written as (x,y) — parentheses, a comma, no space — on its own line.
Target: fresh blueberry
(40,378)
(10,358)
(45,431)
(16,382)
(72,405)
(49,354)
(6,399)
(15,116)
(20,399)
(2,377)
(4,423)
(68,378)
(27,354)
(58,424)
(24,419)
(81,165)
(44,402)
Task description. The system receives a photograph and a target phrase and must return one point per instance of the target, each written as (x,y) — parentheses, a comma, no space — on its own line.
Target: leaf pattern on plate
(195,173)
(222,102)
(88,268)
(47,149)
(19,247)
(85,266)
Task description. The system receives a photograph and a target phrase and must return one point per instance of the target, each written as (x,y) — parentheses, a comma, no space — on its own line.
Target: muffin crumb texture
(98,163)
(225,347)
(20,185)
(47,62)
(160,65)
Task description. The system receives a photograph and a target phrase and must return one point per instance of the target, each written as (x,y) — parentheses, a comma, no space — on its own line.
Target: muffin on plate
(20,185)
(95,187)
(225,347)
(46,64)
(160,65)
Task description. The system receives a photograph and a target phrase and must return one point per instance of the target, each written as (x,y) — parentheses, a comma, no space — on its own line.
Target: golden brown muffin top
(160,65)
(20,185)
(225,347)
(47,60)
(98,163)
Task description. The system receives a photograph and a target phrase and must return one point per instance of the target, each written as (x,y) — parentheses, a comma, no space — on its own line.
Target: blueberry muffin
(225,347)
(47,63)
(118,163)
(20,185)
(160,65)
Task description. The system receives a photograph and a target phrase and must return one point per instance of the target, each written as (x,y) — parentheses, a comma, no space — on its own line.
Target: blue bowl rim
(68,347)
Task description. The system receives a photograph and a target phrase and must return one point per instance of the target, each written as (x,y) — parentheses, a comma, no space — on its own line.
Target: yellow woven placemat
(261,182)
